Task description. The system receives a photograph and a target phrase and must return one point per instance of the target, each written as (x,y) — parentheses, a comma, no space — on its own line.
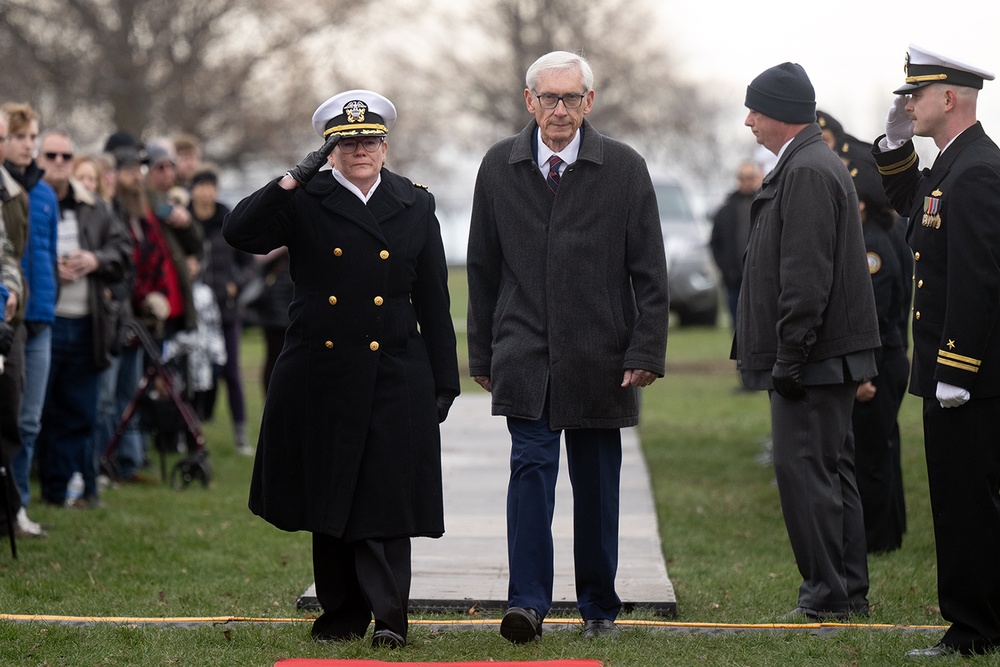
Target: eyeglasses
(551,100)
(370,144)
(52,156)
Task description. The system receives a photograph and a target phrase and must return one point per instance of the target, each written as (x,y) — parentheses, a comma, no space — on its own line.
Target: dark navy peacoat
(349,443)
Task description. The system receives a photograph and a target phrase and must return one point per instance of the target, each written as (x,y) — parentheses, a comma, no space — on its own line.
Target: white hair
(559,60)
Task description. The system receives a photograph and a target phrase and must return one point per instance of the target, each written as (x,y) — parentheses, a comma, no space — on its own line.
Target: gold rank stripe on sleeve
(898,167)
(958,361)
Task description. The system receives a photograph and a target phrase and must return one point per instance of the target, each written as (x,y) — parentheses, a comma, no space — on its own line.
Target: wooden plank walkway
(468,566)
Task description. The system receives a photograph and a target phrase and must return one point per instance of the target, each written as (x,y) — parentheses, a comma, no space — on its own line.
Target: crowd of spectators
(96,249)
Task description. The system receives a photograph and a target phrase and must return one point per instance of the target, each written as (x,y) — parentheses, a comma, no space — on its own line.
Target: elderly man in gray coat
(806,331)
(568,313)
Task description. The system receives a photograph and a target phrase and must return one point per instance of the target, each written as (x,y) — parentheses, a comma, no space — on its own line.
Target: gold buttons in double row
(378,301)
(374,346)
(332,300)
(917,315)
(384,254)
(920,283)
(337,252)
(916,256)
(329,344)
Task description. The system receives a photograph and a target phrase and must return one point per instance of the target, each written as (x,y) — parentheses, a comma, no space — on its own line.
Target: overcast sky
(853,52)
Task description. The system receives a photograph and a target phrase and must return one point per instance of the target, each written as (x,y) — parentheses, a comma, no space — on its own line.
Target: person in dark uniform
(350,447)
(954,230)
(806,332)
(875,418)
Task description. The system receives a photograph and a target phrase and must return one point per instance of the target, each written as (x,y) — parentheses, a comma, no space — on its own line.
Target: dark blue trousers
(594,457)
(66,442)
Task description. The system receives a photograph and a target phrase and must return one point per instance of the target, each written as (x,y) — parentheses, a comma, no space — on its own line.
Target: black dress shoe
(521,625)
(939,650)
(386,638)
(599,627)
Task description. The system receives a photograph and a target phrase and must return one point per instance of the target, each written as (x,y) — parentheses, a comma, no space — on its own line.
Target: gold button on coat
(378,301)
(916,256)
(337,252)
(333,300)
(384,254)
(329,344)
(374,346)
(920,283)
(917,315)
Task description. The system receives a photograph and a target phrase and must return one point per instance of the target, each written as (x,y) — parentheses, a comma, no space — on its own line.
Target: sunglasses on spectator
(52,156)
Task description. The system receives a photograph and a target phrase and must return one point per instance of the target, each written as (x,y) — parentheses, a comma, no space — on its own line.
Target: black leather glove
(312,163)
(6,337)
(786,378)
(444,402)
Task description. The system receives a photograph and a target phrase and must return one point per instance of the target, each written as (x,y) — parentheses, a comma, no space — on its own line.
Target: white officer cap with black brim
(924,67)
(354,113)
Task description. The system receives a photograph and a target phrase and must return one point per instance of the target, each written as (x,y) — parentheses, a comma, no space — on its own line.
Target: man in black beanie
(806,330)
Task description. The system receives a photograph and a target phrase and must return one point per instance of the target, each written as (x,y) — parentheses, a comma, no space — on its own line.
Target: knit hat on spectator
(783,93)
(126,149)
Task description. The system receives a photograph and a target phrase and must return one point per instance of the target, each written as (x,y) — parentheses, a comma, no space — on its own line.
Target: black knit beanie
(783,93)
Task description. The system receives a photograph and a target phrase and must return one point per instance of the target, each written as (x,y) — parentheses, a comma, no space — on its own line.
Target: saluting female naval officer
(349,444)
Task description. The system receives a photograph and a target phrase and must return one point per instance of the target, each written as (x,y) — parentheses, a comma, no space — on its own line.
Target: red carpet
(325,662)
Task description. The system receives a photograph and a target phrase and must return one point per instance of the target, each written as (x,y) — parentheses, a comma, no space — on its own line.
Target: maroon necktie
(553,178)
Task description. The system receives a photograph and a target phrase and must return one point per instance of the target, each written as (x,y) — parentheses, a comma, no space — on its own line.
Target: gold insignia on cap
(906,63)
(355,111)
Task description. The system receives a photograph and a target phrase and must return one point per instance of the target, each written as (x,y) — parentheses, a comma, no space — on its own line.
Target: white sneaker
(28,528)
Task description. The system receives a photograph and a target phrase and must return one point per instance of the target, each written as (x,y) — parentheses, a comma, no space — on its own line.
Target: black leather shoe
(939,650)
(599,627)
(521,625)
(386,638)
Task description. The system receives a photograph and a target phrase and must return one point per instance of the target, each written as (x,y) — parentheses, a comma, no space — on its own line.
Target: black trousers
(963,470)
(356,580)
(877,454)
(11,393)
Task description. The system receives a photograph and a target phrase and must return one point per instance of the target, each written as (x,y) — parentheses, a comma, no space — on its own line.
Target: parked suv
(692,276)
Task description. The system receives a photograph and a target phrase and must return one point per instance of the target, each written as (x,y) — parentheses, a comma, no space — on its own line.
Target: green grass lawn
(156,552)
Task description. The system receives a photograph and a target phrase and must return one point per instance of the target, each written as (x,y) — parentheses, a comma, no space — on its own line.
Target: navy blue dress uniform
(349,444)
(877,463)
(954,231)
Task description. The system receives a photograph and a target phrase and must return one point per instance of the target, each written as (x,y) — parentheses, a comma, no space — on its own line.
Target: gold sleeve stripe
(901,166)
(958,357)
(959,366)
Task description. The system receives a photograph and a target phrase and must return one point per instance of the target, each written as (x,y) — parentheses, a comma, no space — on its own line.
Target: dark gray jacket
(566,292)
(105,235)
(806,292)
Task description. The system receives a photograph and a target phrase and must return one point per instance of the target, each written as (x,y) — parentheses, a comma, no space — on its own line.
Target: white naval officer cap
(924,67)
(354,113)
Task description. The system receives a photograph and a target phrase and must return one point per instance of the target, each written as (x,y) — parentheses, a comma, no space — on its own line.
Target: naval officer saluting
(954,231)
(349,447)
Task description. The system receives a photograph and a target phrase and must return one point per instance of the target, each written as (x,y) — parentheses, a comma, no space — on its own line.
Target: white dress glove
(950,396)
(898,126)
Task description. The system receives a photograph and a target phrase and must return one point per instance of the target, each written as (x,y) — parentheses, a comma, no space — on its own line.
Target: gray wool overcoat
(566,292)
(349,441)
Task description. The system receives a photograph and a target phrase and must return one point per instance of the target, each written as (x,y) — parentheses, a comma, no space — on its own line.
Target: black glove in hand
(312,163)
(786,378)
(444,405)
